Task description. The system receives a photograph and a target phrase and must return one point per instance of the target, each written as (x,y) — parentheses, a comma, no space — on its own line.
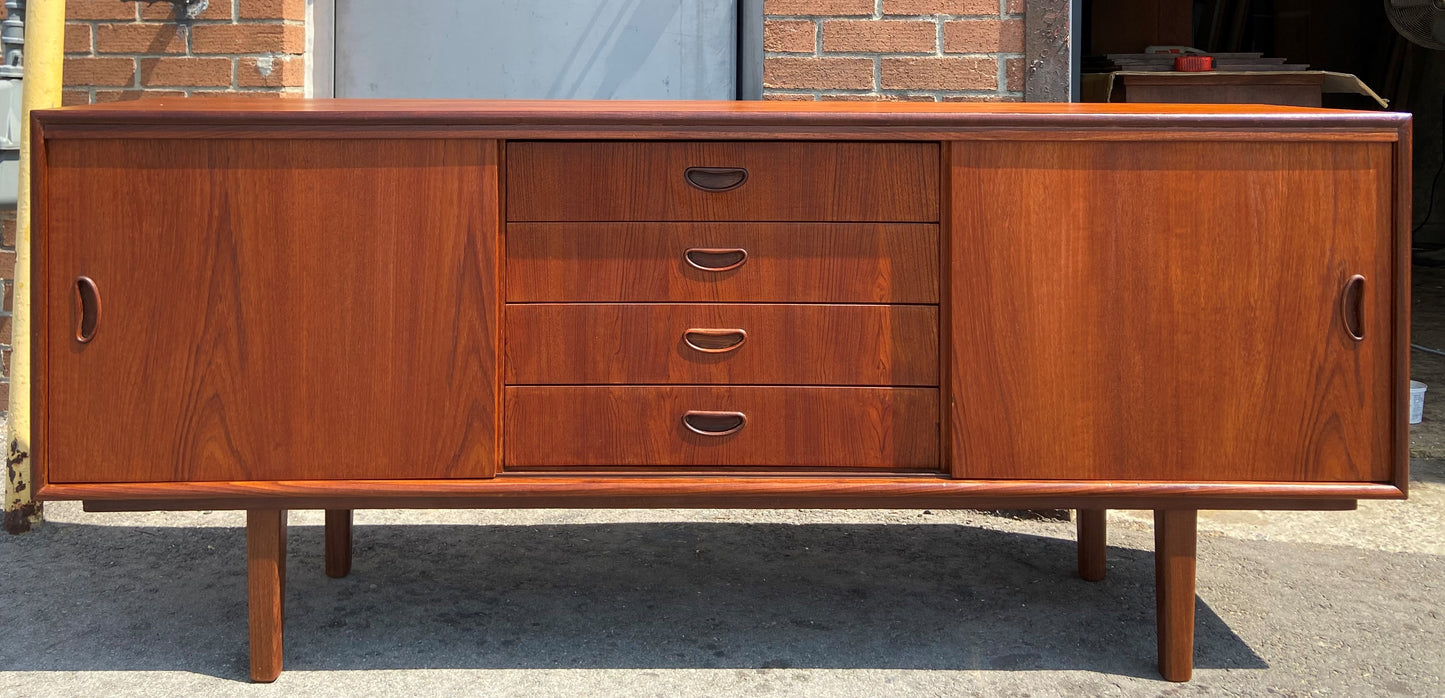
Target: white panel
(547,49)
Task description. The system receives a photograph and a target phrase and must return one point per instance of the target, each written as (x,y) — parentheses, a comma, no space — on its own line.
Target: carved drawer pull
(715,258)
(1352,312)
(714,423)
(716,179)
(87,308)
(714,341)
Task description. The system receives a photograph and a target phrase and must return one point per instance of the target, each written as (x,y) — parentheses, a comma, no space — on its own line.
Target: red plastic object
(1193,64)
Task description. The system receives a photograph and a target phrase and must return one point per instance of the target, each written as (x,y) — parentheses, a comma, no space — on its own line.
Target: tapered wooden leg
(266,588)
(1093,537)
(1174,550)
(338,542)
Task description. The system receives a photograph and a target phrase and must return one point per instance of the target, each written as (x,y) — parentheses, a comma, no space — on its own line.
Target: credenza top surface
(845,116)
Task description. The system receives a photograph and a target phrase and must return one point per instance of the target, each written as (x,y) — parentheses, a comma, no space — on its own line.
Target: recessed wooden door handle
(714,341)
(716,179)
(710,423)
(87,309)
(1352,311)
(715,258)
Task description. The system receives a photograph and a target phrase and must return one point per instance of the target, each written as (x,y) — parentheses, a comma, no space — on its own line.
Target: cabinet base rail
(726,491)
(1175,533)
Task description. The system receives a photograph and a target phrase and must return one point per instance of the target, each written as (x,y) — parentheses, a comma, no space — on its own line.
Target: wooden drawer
(604,426)
(743,262)
(704,181)
(717,343)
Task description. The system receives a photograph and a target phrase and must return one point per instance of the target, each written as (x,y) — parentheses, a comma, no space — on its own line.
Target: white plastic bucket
(1417,401)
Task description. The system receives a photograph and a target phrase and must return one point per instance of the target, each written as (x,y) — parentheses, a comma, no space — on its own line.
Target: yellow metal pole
(44,56)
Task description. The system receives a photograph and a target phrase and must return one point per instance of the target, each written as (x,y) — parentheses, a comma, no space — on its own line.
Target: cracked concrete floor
(715,602)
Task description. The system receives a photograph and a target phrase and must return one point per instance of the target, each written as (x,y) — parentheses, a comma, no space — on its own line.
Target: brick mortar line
(900,91)
(866,18)
(273,54)
(184,22)
(867,54)
(890,92)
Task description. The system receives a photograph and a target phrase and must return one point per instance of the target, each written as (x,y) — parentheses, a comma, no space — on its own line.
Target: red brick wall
(917,50)
(127,49)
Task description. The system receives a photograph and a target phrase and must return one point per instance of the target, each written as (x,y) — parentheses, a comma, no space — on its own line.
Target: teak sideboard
(389,304)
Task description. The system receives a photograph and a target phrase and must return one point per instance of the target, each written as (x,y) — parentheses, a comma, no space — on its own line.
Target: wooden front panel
(604,426)
(740,344)
(780,262)
(271,310)
(1170,311)
(648,181)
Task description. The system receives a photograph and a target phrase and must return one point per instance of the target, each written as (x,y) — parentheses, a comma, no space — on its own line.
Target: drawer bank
(388,304)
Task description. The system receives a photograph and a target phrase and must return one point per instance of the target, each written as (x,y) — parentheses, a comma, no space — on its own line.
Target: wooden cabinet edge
(718,491)
(1401,239)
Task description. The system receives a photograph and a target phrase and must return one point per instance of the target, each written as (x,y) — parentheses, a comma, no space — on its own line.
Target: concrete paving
(684,603)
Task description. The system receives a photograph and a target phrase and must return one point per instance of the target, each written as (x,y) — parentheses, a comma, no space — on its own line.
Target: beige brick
(279,71)
(984,36)
(789,36)
(775,97)
(185,72)
(939,74)
(880,36)
(818,73)
(101,9)
(166,10)
(72,97)
(940,7)
(102,96)
(148,37)
(1014,74)
(818,8)
(248,38)
(77,38)
(82,70)
(273,9)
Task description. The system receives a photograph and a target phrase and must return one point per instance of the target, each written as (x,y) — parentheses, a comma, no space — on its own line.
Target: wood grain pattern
(639,181)
(1403,219)
(268,311)
(1290,128)
(338,542)
(702,488)
(882,345)
(732,119)
(1092,528)
(266,590)
(786,262)
(1171,309)
(1175,534)
(857,428)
